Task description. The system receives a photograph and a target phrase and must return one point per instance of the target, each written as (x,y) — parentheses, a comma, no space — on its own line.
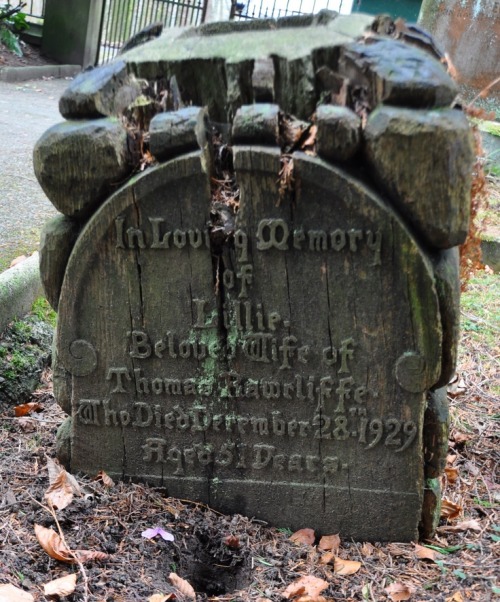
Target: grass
(480,323)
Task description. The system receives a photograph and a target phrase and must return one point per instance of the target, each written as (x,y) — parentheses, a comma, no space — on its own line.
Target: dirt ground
(32,56)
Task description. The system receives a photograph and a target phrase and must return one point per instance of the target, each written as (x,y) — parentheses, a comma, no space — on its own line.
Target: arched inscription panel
(283,374)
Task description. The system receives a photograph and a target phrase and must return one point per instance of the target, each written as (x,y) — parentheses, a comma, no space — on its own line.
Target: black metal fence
(33,9)
(267,9)
(122,19)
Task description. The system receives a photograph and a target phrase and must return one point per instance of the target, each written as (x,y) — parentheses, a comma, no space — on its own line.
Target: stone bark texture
(279,349)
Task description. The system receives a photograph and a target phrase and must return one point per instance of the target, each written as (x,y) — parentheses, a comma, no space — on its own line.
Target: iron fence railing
(123,18)
(267,9)
(33,9)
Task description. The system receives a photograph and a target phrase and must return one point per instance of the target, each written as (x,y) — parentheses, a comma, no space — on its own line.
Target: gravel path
(26,110)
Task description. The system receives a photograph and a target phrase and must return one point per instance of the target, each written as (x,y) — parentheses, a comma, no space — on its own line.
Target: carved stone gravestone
(261,328)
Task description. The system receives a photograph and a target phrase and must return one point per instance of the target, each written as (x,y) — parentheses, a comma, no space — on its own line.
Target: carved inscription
(338,405)
(271,233)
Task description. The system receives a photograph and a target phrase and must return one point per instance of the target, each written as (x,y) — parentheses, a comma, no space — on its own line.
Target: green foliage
(43,311)
(10,26)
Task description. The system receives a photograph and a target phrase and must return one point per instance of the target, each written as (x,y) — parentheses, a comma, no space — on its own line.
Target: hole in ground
(211,568)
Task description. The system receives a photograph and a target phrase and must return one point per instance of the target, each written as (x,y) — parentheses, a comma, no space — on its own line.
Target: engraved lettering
(158,241)
(272,233)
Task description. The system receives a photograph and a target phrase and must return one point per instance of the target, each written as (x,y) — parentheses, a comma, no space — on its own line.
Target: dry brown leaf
(310,141)
(107,481)
(262,600)
(398,591)
(346,567)
(161,598)
(456,388)
(182,585)
(64,586)
(303,536)
(327,558)
(451,474)
(304,588)
(10,593)
(459,437)
(60,493)
(232,541)
(367,549)
(18,260)
(26,408)
(52,543)
(330,542)
(424,553)
(55,469)
(457,597)
(450,510)
(466,525)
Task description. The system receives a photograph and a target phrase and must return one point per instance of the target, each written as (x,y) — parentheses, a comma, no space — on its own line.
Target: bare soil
(32,57)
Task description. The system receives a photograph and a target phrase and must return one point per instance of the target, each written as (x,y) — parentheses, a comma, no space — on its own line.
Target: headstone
(270,349)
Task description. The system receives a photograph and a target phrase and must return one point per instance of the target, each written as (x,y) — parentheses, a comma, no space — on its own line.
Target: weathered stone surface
(177,132)
(93,93)
(19,287)
(63,442)
(431,508)
(214,65)
(57,239)
(423,160)
(79,163)
(256,124)
(220,385)
(447,271)
(339,132)
(436,428)
(396,74)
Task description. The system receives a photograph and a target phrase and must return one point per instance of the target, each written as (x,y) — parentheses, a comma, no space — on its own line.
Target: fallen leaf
(52,543)
(150,533)
(64,586)
(10,593)
(161,597)
(459,437)
(451,474)
(367,549)
(18,260)
(26,408)
(60,493)
(346,567)
(232,541)
(305,536)
(466,525)
(309,585)
(55,469)
(107,481)
(449,509)
(424,553)
(182,585)
(327,558)
(329,542)
(457,597)
(456,388)
(398,592)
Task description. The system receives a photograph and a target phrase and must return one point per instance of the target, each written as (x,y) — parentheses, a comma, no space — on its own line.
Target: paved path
(26,110)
